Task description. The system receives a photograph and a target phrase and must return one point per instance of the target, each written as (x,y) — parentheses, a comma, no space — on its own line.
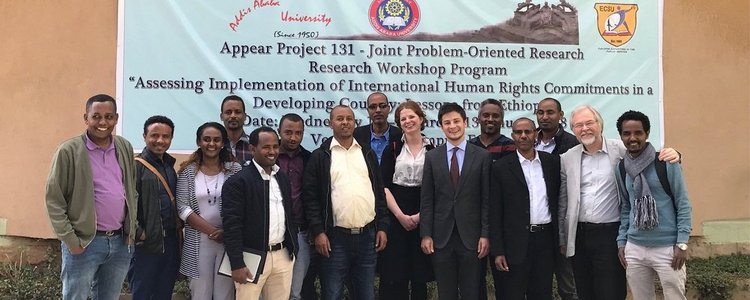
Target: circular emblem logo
(394,17)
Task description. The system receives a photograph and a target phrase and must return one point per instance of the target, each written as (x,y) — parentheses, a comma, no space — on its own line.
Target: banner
(181,58)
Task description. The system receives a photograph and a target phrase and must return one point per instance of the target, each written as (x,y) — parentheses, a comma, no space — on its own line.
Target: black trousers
(456,268)
(596,266)
(532,278)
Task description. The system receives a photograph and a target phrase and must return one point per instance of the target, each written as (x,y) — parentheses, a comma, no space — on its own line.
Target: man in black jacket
(256,215)
(552,138)
(153,269)
(346,211)
(523,223)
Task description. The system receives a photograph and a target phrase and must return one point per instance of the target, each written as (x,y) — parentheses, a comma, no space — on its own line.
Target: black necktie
(454,167)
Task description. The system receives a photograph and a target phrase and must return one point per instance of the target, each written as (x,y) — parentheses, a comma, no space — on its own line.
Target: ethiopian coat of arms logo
(394,17)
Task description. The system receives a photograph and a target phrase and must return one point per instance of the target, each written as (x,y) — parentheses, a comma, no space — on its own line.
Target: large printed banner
(181,58)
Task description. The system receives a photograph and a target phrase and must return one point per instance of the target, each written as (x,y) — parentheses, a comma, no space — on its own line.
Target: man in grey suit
(589,205)
(454,211)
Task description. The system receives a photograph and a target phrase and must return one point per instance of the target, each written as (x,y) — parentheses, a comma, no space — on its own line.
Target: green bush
(715,278)
(20,280)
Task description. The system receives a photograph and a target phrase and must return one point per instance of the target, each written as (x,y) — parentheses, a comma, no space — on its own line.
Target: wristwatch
(682,246)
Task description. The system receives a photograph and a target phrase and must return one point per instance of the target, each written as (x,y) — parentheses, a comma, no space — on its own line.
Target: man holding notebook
(255,210)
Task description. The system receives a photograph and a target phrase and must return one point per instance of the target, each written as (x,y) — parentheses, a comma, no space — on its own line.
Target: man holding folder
(255,216)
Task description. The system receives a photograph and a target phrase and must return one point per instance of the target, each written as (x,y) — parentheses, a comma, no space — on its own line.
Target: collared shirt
(599,200)
(500,147)
(293,166)
(378,143)
(540,145)
(276,217)
(241,149)
(352,197)
(409,166)
(109,192)
(539,212)
(459,155)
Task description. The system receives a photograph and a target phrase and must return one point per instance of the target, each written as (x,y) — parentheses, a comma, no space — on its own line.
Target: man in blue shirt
(379,135)
(655,219)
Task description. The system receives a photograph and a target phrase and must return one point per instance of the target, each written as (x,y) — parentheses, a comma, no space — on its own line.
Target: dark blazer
(509,218)
(245,214)
(444,206)
(388,161)
(563,141)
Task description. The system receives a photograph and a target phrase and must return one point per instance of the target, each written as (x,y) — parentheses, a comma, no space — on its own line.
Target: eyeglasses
(588,124)
(376,106)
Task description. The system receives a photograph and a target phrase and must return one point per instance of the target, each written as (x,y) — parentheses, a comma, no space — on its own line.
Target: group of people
(374,199)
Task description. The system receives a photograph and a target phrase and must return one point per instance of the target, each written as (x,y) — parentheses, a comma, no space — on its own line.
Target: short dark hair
(292,117)
(255,135)
(559,106)
(157,119)
(100,98)
(377,93)
(632,115)
(233,98)
(533,125)
(451,107)
(330,115)
(493,102)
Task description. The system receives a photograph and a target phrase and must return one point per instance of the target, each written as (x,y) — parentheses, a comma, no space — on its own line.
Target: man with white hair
(589,215)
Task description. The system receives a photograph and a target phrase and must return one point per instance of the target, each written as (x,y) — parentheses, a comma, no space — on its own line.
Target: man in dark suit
(525,190)
(454,223)
(379,136)
(256,213)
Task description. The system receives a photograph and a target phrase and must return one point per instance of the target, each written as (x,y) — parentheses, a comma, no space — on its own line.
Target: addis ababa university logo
(394,17)
(616,22)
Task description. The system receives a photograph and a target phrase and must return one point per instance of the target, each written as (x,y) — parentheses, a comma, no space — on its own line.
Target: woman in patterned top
(199,205)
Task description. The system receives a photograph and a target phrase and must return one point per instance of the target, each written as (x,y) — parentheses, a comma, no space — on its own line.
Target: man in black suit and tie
(454,223)
(523,222)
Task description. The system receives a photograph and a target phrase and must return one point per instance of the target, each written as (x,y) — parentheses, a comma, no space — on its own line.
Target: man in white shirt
(590,207)
(523,218)
(256,215)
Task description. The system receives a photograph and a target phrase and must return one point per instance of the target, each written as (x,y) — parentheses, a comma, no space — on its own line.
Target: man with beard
(490,122)
(552,138)
(655,222)
(292,160)
(589,206)
(256,203)
(233,115)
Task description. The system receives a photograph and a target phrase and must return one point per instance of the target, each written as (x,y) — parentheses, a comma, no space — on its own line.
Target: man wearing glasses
(379,135)
(589,215)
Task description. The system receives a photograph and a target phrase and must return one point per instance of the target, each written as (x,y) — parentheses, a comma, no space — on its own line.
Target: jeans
(301,263)
(352,258)
(153,275)
(100,270)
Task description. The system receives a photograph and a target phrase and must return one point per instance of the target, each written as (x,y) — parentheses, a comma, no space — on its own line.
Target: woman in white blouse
(402,264)
(199,205)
